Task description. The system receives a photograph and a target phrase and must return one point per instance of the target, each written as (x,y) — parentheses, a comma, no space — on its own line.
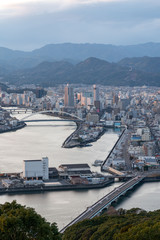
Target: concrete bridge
(72,117)
(31,112)
(52,120)
(106,201)
(15,110)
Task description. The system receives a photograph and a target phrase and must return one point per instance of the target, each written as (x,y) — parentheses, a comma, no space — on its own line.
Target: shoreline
(105,161)
(69,187)
(22,125)
(55,188)
(78,144)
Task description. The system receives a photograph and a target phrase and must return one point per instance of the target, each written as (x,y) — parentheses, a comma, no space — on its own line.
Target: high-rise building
(95,93)
(86,98)
(68,96)
(96,97)
(40,92)
(19,99)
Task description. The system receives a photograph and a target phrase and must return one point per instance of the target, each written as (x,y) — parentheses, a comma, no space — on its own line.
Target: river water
(45,139)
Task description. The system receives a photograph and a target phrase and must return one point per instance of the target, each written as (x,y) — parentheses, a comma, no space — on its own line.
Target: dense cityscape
(134,158)
(79,120)
(134,111)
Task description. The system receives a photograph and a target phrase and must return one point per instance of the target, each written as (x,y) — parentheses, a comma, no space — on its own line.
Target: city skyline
(26,25)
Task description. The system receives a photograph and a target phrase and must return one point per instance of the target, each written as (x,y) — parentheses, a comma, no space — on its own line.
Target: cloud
(12,8)
(56,21)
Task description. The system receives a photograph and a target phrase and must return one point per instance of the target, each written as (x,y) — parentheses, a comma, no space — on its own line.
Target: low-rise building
(82,170)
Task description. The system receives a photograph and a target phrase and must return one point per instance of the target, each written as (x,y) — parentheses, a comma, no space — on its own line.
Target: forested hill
(144,64)
(90,71)
(133,224)
(19,222)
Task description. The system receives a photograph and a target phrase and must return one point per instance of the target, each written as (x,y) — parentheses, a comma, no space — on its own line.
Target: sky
(31,24)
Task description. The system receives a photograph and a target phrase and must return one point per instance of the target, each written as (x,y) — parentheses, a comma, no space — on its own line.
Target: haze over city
(26,25)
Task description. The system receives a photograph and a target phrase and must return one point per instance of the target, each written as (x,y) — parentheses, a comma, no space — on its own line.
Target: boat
(97,163)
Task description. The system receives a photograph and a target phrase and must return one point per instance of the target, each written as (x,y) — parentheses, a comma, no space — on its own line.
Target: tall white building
(36,169)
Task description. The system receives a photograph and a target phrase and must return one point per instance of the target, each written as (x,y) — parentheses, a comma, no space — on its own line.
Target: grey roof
(81,165)
(80,172)
(32,160)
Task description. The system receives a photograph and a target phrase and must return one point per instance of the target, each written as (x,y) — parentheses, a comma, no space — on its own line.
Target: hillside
(145,64)
(90,71)
(133,224)
(3,87)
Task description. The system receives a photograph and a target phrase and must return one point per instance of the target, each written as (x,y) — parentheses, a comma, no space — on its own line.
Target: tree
(133,224)
(19,222)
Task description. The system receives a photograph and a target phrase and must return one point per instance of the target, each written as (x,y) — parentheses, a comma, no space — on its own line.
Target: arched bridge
(73,117)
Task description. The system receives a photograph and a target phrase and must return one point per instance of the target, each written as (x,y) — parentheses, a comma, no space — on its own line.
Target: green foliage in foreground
(133,224)
(18,222)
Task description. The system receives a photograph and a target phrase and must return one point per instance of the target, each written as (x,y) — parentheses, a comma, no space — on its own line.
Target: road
(97,207)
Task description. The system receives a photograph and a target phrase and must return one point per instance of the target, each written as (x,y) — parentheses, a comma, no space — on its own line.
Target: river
(45,139)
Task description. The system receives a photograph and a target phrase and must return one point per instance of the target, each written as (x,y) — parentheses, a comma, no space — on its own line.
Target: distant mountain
(106,52)
(3,87)
(3,71)
(74,53)
(145,64)
(90,71)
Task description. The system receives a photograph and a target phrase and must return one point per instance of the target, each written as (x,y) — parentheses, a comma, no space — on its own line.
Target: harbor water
(42,139)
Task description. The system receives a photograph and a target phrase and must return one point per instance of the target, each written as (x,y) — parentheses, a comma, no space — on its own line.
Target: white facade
(146,136)
(36,169)
(45,168)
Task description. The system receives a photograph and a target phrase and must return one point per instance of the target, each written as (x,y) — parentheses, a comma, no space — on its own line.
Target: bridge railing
(137,178)
(53,111)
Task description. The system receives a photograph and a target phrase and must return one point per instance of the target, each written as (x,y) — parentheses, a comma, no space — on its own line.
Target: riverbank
(19,126)
(76,139)
(66,143)
(66,187)
(104,165)
(62,187)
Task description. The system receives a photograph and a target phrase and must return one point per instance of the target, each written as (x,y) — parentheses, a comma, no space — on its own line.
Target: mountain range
(52,64)
(89,71)
(74,53)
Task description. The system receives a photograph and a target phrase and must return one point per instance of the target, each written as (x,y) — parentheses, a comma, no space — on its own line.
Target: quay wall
(33,189)
(22,125)
(66,142)
(112,150)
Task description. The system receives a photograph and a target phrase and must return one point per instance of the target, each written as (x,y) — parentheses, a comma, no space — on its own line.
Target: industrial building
(36,169)
(82,170)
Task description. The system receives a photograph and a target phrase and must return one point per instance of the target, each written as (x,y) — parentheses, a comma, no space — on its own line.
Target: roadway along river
(45,139)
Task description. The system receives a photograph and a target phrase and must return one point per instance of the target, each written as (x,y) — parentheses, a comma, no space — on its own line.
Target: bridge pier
(107,200)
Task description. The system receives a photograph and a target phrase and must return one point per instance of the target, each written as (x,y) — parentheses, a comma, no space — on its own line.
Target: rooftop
(32,160)
(74,165)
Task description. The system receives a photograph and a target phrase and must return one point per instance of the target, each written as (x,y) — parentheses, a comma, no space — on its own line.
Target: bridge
(61,113)
(106,201)
(72,117)
(52,120)
(16,110)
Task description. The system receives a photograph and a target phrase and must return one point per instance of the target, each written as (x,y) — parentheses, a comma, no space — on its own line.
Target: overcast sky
(30,24)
